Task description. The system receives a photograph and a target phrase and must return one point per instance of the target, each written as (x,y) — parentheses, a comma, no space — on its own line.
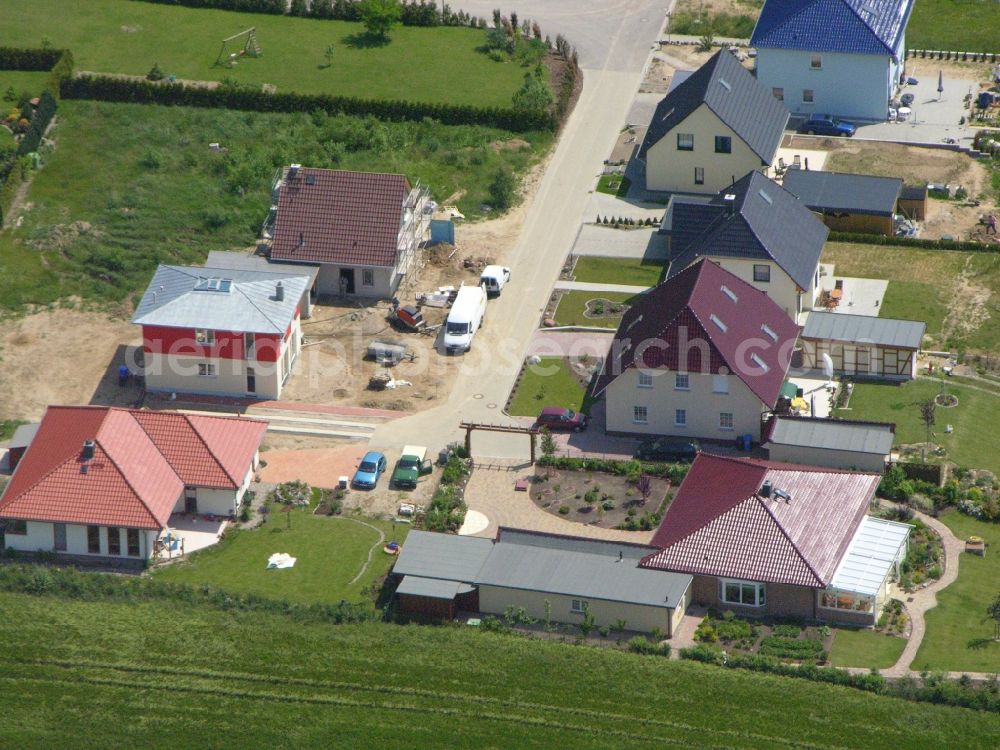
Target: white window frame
(207,370)
(645,379)
(680,418)
(367,277)
(699,175)
(682,381)
(578,606)
(720,384)
(815,62)
(689,138)
(808,96)
(640,415)
(757,589)
(723,420)
(778,92)
(204,336)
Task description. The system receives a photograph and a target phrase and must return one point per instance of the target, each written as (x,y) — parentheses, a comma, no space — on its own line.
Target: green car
(412,465)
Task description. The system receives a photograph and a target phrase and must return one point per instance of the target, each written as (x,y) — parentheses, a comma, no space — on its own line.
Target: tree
(706,42)
(328,54)
(993,613)
(533,96)
(298,8)
(645,487)
(927,409)
(503,189)
(548,444)
(379,16)
(588,623)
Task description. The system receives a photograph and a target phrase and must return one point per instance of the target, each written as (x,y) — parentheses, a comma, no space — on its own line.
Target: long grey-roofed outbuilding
(847,193)
(901,334)
(832,434)
(443,556)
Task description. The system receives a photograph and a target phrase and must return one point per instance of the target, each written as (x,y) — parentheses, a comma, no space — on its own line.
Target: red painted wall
(228,344)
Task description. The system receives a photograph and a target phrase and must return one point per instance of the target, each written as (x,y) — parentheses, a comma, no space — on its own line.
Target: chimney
(302,239)
(279,291)
(88,450)
(765,489)
(730,201)
(293,170)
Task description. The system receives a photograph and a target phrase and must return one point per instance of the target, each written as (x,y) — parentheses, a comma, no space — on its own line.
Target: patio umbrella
(940,84)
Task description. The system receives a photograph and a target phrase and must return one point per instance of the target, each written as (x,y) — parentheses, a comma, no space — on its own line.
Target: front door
(347,281)
(251,381)
(190,500)
(59,537)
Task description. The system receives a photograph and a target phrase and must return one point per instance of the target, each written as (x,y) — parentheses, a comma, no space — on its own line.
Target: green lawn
(613,184)
(958,638)
(549,383)
(630,271)
(976,419)
(573,305)
(165,674)
(22,81)
(927,284)
(865,648)
(148,190)
(439,64)
(958,25)
(330,552)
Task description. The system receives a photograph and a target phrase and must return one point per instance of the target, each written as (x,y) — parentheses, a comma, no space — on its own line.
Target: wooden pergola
(531,432)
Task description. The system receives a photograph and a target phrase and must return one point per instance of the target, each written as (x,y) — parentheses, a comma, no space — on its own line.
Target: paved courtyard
(620,243)
(933,117)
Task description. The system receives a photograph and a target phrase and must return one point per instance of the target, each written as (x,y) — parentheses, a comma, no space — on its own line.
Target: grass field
(439,64)
(100,675)
(630,271)
(959,25)
(957,637)
(927,284)
(613,184)
(330,552)
(573,305)
(976,419)
(550,383)
(148,190)
(22,81)
(865,648)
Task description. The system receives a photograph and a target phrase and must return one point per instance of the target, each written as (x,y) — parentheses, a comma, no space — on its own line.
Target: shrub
(155,73)
(503,189)
(790,648)
(786,630)
(563,510)
(642,645)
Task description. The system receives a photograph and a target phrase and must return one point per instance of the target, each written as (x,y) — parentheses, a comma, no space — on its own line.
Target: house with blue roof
(838,57)
(711,129)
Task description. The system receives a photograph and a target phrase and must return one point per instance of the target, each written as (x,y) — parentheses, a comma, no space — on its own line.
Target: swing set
(250,47)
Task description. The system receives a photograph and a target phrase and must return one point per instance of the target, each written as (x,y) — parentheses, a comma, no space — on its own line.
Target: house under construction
(362,229)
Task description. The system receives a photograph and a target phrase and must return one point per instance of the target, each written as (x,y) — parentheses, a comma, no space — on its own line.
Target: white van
(464,319)
(494,279)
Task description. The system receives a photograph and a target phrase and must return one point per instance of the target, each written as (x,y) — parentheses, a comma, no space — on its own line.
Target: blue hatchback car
(828,125)
(369,470)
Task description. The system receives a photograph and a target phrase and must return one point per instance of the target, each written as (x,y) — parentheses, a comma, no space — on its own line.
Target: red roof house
(92,474)
(703,355)
(361,228)
(764,537)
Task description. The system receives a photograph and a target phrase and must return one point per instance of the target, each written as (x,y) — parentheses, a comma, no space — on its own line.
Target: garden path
(596,286)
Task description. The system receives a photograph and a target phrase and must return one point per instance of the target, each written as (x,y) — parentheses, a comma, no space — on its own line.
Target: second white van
(464,319)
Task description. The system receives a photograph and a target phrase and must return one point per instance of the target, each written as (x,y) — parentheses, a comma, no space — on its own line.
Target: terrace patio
(186,533)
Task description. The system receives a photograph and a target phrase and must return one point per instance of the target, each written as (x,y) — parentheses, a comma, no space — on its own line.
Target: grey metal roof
(444,556)
(903,334)
(246,262)
(764,221)
(582,568)
(250,304)
(833,434)
(23,435)
(850,193)
(734,95)
(432,588)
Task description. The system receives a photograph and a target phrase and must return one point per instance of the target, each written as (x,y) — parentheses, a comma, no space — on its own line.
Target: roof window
(759,362)
(766,197)
(725,84)
(730,293)
(212,284)
(769,332)
(715,319)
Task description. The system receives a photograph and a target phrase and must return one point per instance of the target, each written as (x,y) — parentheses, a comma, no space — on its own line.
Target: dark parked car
(557,418)
(828,125)
(667,449)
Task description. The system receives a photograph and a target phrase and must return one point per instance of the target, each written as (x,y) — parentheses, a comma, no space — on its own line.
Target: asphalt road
(614,39)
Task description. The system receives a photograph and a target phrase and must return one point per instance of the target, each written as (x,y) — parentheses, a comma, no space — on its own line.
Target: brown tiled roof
(331,216)
(719,525)
(674,323)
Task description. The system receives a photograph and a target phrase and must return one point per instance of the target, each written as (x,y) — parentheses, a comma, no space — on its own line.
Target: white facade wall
(834,459)
(638,617)
(701,404)
(220,502)
(847,85)
(780,288)
(385,280)
(41,536)
(670,169)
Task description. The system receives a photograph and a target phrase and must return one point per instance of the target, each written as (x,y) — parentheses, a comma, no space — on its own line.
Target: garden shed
(436,573)
(861,345)
(834,443)
(848,202)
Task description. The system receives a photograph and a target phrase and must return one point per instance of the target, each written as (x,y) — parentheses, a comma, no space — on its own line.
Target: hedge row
(61,71)
(107,88)
(37,58)
(8,188)
(44,113)
(674,472)
(882,239)
(414,12)
(273,7)
(74,584)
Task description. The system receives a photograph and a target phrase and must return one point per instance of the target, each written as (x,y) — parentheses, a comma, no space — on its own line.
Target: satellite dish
(827,366)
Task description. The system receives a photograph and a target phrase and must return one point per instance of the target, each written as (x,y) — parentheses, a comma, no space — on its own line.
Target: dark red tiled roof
(142,461)
(331,216)
(719,525)
(675,326)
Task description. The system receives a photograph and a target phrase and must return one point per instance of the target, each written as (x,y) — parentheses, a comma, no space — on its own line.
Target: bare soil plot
(597,499)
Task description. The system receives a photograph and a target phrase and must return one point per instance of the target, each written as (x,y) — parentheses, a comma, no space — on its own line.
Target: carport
(848,202)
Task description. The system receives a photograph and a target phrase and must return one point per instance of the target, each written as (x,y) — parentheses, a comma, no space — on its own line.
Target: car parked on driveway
(828,125)
(557,418)
(372,466)
(667,449)
(411,466)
